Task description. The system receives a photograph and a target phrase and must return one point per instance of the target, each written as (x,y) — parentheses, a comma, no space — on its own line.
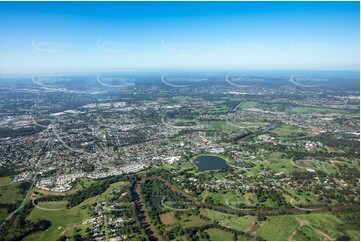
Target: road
(237,106)
(273,126)
(251,211)
(23,202)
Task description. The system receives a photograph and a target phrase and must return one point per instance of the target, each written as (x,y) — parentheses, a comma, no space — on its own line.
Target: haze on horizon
(75,36)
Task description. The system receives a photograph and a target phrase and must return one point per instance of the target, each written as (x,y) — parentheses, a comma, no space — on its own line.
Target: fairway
(60,219)
(286,131)
(243,224)
(52,206)
(64,220)
(311,110)
(219,235)
(192,221)
(315,226)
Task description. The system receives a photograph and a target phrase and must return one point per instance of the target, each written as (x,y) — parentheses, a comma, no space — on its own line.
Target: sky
(78,36)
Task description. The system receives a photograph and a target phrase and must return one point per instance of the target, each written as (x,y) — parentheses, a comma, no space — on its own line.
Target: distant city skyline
(79,36)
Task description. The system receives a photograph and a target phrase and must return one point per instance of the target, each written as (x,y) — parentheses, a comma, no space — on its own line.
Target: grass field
(243,224)
(185,123)
(167,218)
(5,180)
(70,230)
(248,104)
(9,193)
(310,110)
(324,165)
(108,193)
(58,205)
(60,220)
(3,214)
(64,221)
(237,200)
(276,162)
(218,197)
(221,126)
(299,198)
(185,220)
(234,128)
(214,110)
(192,221)
(315,225)
(219,235)
(286,131)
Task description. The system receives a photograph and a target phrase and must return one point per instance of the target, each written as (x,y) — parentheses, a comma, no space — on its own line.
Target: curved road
(250,212)
(23,203)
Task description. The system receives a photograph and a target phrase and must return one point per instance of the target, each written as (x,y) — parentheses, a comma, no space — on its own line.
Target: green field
(3,214)
(316,226)
(185,220)
(250,104)
(230,199)
(185,123)
(60,220)
(310,110)
(219,235)
(5,180)
(275,161)
(56,205)
(64,221)
(221,126)
(218,197)
(9,193)
(108,193)
(286,131)
(243,224)
(192,221)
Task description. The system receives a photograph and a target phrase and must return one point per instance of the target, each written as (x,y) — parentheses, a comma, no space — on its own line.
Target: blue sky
(69,36)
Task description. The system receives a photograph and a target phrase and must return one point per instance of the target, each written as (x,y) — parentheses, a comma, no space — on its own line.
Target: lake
(208,162)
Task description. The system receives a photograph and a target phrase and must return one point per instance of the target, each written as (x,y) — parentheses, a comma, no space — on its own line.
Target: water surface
(208,162)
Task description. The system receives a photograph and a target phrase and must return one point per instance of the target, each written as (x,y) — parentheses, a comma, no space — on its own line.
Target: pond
(208,162)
